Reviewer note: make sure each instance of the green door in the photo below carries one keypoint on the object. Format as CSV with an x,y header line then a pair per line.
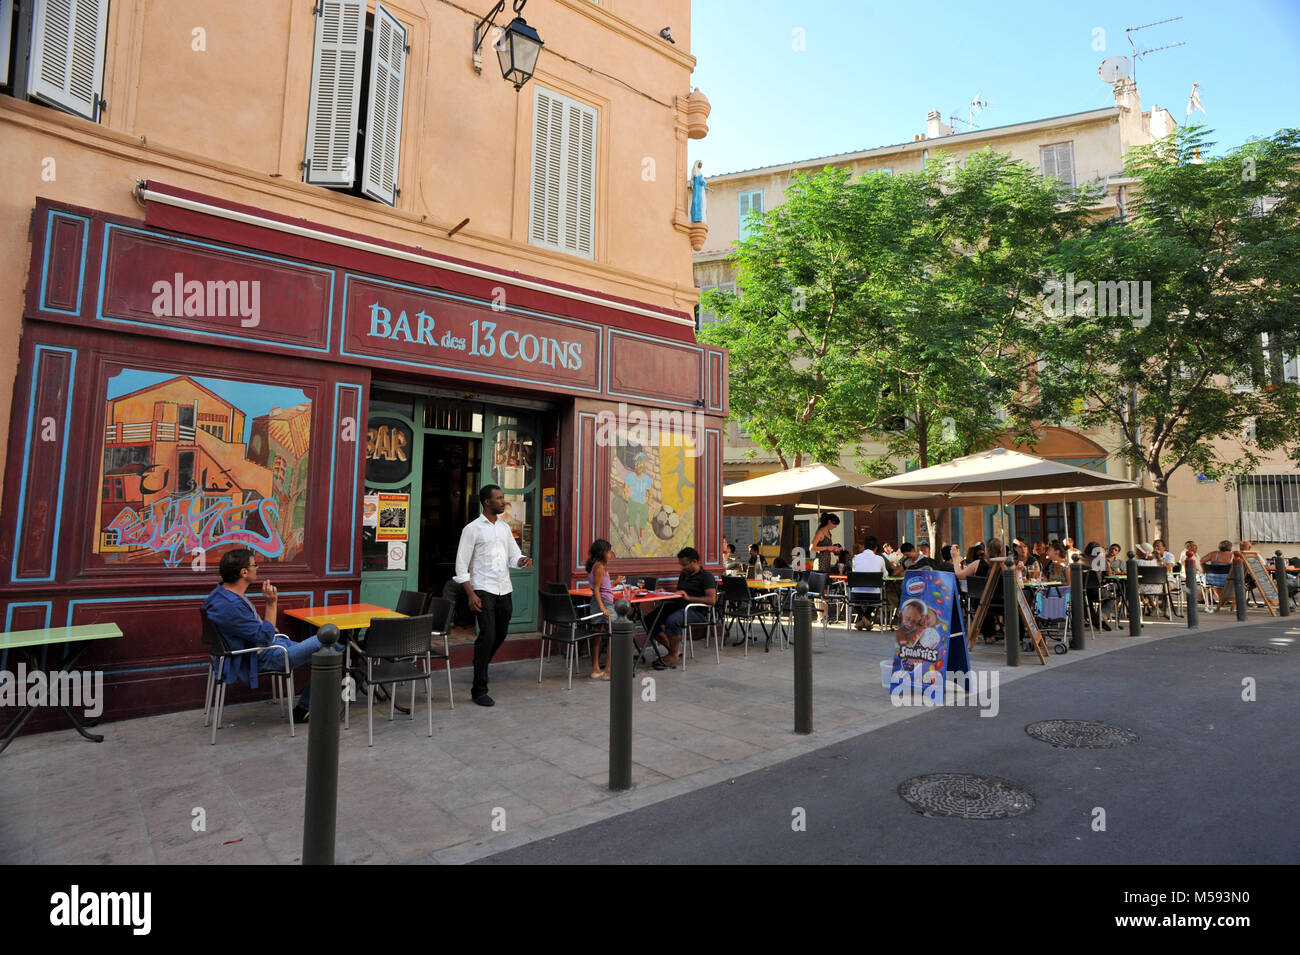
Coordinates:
x,y
394,452
512,463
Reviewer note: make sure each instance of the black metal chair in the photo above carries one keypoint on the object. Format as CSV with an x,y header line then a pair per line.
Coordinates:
x,y
862,602
404,642
1096,592
818,586
413,603
566,627
1154,582
745,606
219,654
439,612
996,608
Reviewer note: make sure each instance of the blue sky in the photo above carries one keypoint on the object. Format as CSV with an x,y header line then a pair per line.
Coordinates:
x,y
871,71
250,398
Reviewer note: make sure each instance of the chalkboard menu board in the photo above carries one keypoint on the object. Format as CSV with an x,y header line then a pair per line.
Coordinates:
x,y
1264,580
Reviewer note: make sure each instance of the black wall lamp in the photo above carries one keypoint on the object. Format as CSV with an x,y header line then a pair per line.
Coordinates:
x,y
517,48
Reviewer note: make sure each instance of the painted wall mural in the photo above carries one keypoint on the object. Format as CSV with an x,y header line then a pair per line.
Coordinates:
x,y
651,498
202,464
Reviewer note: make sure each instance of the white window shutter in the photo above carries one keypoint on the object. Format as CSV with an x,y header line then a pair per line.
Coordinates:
x,y
384,121
547,188
67,58
335,93
562,201
580,178
6,29
1065,163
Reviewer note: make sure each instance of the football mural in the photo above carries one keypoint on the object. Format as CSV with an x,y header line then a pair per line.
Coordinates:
x,y
651,498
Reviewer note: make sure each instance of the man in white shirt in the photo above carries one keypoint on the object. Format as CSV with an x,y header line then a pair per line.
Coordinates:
x,y
487,552
868,562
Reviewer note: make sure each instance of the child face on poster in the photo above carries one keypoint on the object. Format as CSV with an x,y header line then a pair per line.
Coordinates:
x,y
910,620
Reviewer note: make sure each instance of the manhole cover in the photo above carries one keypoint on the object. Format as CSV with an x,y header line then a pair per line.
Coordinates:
x,y
1081,734
965,796
1248,648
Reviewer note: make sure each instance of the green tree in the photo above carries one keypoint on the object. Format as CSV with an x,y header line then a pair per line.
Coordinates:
x,y
1183,314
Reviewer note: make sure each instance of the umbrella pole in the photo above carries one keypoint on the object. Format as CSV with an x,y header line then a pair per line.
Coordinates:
x,y
1002,511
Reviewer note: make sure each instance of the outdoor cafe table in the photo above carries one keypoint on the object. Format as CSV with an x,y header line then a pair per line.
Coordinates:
x,y
640,601
778,584
347,617
75,641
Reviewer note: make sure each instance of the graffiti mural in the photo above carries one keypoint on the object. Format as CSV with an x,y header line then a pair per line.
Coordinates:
x,y
651,498
204,465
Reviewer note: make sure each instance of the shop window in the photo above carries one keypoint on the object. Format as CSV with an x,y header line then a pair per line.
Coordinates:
x,y
357,81
453,416
52,51
562,213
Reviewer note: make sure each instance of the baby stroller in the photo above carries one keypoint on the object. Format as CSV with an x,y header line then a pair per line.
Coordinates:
x,y
1052,609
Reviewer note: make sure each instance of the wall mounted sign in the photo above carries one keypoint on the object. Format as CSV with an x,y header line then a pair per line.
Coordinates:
x,y
394,511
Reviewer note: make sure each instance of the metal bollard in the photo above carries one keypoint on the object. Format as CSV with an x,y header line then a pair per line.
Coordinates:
x,y
621,690
1077,641
321,810
803,690
1193,596
1283,590
1011,613
1134,601
1239,589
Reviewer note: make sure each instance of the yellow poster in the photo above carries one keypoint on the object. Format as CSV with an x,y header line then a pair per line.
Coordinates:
x,y
394,510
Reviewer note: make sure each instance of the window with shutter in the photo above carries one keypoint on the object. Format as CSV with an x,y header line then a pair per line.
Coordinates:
x,y
335,93
750,202
384,110
1057,161
67,54
6,34
562,201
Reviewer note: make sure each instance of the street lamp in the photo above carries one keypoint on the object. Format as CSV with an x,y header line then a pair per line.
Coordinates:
x,y
517,48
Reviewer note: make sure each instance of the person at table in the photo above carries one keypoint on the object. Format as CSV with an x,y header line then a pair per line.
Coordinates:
x,y
1190,552
1098,591
1115,563
1218,570
950,562
1040,551
1057,568
1146,557
486,553
236,619
729,555
599,556
821,547
755,571
867,562
695,586
1025,560
1164,554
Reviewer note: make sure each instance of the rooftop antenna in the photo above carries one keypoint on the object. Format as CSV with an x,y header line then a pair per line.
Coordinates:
x,y
1155,49
974,106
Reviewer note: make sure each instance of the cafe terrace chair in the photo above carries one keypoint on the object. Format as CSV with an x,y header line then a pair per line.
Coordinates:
x,y
566,627
708,616
412,603
1154,581
219,655
405,642
818,589
440,611
866,604
744,606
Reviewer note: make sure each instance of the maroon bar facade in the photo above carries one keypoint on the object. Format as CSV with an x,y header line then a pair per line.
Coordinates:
x,y
188,384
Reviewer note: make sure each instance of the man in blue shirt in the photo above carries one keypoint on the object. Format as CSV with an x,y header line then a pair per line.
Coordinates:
x,y
234,615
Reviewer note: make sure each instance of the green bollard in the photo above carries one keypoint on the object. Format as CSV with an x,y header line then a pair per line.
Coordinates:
x,y
1283,592
621,690
803,689
1193,595
1134,601
1011,613
321,810
1077,641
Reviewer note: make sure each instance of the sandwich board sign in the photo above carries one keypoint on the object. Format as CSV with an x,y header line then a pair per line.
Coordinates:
x,y
931,639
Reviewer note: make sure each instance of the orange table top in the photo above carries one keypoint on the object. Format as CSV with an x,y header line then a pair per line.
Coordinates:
x,y
344,616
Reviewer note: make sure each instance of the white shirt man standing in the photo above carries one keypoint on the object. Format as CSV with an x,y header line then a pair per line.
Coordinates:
x,y
487,552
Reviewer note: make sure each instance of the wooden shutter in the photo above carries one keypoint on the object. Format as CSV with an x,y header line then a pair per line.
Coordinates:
x,y
6,30
562,201
335,93
384,121
67,57
1058,161
750,202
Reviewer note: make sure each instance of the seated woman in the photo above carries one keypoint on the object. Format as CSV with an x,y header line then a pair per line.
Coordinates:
x,y
733,564
602,597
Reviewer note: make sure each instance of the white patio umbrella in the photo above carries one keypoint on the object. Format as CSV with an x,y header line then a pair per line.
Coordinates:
x,y
997,470
821,485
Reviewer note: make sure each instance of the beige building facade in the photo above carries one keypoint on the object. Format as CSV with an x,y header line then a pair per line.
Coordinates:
x,y
1084,148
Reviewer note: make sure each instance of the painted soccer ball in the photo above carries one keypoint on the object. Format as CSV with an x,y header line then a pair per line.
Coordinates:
x,y
665,522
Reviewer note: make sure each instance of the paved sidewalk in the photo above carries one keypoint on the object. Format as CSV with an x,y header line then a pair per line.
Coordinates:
x,y
540,755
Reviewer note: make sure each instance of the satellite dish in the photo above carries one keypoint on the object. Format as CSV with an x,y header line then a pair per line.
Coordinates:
x,y
1115,68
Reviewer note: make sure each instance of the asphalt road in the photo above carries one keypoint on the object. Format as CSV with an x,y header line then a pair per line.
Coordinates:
x,y
1212,779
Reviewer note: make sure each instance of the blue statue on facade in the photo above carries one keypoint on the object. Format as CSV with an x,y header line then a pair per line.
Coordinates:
x,y
698,188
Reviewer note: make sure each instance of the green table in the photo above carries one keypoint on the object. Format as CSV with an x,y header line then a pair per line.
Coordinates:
x,y
75,641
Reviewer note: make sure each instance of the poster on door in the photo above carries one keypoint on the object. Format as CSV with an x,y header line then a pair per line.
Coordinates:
x,y
394,511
